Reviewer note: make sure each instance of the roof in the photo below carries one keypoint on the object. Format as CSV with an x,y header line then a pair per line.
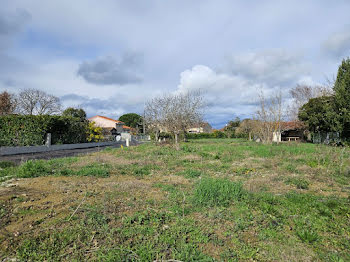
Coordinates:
x,y
108,128
107,118
292,125
126,127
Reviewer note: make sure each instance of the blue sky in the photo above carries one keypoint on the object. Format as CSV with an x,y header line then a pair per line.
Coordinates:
x,y
111,56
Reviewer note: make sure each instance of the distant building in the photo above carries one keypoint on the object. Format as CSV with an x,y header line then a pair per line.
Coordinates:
x,y
292,131
204,127
109,124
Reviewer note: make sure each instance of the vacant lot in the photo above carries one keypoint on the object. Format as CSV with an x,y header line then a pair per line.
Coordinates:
x,y
213,200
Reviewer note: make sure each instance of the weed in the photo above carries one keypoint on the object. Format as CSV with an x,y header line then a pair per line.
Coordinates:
x,y
244,170
188,149
300,183
142,171
192,173
217,192
98,170
307,235
6,164
34,168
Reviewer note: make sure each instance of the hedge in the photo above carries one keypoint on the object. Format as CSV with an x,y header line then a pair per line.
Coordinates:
x,y
26,130
215,134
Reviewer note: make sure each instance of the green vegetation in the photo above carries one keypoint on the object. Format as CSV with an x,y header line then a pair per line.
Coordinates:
x,y
28,130
132,120
331,113
298,182
213,200
217,192
6,164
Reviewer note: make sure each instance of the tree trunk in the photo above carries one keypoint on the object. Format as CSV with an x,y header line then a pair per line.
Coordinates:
x,y
177,141
156,136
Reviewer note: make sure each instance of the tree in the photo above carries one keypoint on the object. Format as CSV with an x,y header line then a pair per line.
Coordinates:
x,y
246,128
301,94
231,127
342,96
37,102
131,119
174,113
75,112
7,103
269,117
319,115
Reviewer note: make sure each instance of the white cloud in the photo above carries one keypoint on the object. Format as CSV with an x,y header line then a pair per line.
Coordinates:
x,y
338,44
274,67
226,95
229,95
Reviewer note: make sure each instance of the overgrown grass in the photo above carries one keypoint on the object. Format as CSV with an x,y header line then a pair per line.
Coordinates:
x,y
213,200
217,192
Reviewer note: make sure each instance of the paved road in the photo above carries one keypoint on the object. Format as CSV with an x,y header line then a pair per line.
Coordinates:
x,y
52,154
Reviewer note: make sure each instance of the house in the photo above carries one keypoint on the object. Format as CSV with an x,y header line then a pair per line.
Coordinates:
x,y
204,127
109,124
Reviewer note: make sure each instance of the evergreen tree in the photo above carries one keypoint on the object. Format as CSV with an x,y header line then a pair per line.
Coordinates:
x,y
342,96
319,115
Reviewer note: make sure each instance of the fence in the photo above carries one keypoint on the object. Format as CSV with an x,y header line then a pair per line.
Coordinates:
x,y
7,151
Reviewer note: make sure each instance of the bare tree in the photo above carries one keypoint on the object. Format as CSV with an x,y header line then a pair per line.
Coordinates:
x,y
8,103
153,115
301,94
174,113
37,102
269,117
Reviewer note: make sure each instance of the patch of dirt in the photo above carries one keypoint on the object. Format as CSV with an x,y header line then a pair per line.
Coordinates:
x,y
191,157
34,204
102,157
269,181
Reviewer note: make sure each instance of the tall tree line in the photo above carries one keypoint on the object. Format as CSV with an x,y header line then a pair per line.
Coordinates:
x,y
29,102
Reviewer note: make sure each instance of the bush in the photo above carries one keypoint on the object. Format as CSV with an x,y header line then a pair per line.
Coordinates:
x,y
217,192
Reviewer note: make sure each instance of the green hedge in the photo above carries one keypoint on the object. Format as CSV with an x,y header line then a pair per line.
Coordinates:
x,y
215,134
25,130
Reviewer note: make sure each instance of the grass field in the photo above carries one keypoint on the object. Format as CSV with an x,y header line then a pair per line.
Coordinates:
x,y
213,200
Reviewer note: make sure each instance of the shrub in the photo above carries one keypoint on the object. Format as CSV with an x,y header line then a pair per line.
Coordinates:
x,y
217,192
94,133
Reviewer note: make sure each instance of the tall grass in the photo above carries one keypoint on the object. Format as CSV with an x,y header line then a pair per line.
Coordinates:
x,y
217,192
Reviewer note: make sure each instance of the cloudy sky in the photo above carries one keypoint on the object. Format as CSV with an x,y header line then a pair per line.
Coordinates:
x,y
110,56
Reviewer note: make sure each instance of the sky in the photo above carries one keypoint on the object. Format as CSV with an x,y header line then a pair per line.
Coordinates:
x,y
110,56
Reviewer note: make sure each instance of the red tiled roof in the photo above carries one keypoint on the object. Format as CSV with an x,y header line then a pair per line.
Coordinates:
x,y
126,127
107,118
